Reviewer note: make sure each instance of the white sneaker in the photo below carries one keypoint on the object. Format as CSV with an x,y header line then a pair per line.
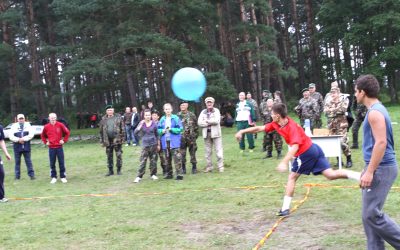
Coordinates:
x,y
64,180
4,200
137,180
53,180
221,170
126,145
154,177
133,144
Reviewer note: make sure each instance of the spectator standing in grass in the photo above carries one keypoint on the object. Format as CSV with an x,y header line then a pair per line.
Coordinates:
x,y
147,131
4,148
381,168
170,129
209,120
128,126
112,135
21,134
54,135
155,116
245,117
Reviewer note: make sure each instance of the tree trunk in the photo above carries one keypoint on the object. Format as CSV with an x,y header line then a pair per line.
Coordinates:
x,y
257,93
129,80
35,81
338,68
299,49
247,53
314,51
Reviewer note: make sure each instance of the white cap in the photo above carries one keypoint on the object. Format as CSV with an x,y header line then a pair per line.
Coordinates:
x,y
20,116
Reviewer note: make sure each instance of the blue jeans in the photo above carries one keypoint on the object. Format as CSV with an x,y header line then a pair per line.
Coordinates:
x,y
59,153
28,162
129,134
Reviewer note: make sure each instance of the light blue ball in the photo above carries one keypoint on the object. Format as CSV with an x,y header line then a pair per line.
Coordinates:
x,y
189,84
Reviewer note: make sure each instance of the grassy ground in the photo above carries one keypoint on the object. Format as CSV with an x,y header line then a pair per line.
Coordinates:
x,y
205,211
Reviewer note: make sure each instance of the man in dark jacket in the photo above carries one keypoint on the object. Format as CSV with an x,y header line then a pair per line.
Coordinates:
x,y
21,134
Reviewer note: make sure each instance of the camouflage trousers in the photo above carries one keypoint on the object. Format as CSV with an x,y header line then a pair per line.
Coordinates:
x,y
337,127
150,153
175,153
317,122
272,137
356,126
162,159
110,155
191,145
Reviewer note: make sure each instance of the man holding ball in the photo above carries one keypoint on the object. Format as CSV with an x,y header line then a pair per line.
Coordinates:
x,y
308,157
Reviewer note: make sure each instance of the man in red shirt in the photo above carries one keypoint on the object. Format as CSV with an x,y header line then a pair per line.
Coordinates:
x,y
308,157
54,135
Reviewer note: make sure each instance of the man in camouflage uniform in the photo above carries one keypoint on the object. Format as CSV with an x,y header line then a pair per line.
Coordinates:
x,y
189,136
112,135
335,110
255,106
360,111
307,109
320,101
272,136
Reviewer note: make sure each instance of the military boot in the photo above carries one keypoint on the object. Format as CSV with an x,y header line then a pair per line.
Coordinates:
x,y
183,168
349,163
279,155
269,155
119,171
110,172
194,168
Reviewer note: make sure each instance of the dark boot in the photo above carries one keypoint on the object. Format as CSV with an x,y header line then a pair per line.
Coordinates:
x,y
179,178
337,164
269,155
349,163
164,171
183,168
354,146
119,171
279,155
110,172
194,168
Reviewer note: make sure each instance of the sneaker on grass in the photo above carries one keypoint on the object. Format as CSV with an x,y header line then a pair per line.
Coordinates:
x,y
137,180
154,177
64,180
283,213
53,180
4,200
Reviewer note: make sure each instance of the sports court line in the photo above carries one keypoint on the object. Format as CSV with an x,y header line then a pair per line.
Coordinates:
x,y
140,194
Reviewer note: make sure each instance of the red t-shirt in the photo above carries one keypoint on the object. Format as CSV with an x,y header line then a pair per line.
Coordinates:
x,y
292,133
54,133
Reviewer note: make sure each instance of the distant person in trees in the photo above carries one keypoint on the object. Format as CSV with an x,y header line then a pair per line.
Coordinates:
x,y
360,112
21,134
112,135
147,131
54,135
79,120
86,119
245,117
170,129
381,167
134,123
8,156
278,97
271,137
189,136
256,110
209,121
308,157
128,126
320,103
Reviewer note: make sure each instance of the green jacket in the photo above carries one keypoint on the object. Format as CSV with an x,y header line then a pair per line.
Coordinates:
x,y
119,130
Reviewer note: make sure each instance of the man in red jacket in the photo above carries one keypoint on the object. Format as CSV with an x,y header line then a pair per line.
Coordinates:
x,y
54,135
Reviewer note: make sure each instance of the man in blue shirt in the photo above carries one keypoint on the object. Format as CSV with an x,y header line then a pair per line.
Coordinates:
x,y
4,148
380,166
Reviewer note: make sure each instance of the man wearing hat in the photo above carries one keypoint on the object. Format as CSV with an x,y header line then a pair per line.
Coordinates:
x,y
189,135
21,134
209,121
112,135
320,101
307,108
335,110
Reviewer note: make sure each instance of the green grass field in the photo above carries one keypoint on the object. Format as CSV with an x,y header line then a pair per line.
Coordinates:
x,y
230,210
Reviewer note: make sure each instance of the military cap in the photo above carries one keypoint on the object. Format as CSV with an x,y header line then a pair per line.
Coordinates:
x,y
109,106
304,90
311,85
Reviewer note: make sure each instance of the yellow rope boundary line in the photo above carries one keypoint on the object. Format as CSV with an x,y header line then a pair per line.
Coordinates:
x,y
308,186
281,219
142,194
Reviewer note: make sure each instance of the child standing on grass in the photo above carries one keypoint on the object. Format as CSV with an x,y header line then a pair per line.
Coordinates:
x,y
309,157
147,131
170,129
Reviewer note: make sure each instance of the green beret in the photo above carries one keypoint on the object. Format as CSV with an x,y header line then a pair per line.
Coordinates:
x,y
109,106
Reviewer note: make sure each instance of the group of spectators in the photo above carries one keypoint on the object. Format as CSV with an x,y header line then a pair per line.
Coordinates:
x,y
87,119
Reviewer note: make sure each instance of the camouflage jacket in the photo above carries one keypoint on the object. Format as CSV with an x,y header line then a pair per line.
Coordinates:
x,y
255,107
265,113
190,127
360,110
307,108
338,108
320,101
119,128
